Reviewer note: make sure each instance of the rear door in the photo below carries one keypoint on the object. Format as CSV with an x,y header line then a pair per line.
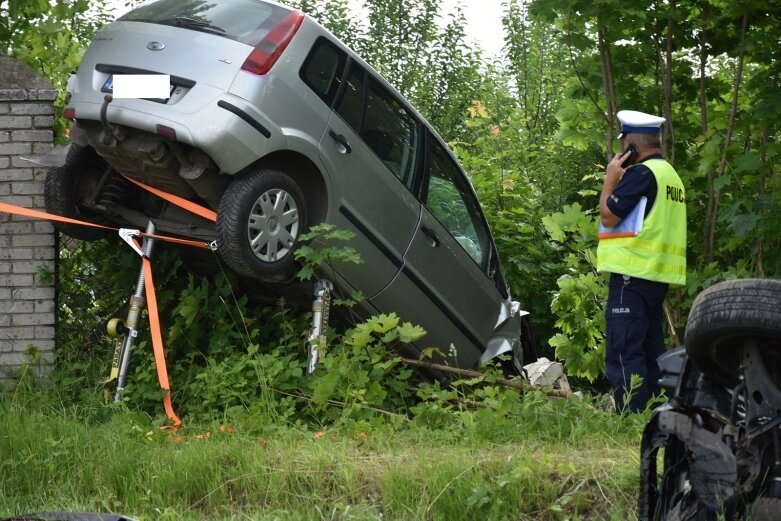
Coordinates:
x,y
371,150
446,283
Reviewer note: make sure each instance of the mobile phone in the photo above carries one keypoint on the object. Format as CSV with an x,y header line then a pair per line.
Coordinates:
x,y
633,153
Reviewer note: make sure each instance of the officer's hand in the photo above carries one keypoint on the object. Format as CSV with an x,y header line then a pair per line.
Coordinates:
x,y
614,169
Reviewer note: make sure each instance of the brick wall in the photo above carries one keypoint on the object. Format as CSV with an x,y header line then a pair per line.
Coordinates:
x,y
27,247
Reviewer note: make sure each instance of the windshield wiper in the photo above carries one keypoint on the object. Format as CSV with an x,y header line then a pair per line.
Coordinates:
x,y
194,23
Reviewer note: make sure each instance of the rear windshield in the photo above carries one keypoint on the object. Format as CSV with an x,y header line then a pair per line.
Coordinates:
x,y
247,21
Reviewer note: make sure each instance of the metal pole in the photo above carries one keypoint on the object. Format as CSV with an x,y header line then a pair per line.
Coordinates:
x,y
137,302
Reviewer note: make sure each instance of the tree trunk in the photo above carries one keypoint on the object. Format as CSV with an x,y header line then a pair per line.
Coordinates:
x,y
668,87
707,253
608,85
712,224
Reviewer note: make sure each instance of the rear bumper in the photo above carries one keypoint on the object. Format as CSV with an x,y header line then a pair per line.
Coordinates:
x,y
232,132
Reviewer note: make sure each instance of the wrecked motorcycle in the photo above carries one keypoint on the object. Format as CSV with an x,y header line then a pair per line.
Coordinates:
x,y
713,450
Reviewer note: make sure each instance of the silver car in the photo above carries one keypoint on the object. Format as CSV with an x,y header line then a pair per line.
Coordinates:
x,y
276,125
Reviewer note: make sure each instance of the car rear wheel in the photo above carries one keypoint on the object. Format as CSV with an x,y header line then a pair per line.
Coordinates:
x,y
723,315
68,187
261,216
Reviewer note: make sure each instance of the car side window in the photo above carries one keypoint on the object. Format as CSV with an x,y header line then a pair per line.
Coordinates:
x,y
450,199
322,69
384,124
350,106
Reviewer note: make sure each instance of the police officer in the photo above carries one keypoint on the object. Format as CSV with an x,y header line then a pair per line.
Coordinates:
x,y
641,266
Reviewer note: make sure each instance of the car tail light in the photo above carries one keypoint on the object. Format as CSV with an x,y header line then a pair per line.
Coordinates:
x,y
266,53
69,113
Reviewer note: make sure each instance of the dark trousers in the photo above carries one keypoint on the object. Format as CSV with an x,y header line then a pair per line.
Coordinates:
x,y
635,338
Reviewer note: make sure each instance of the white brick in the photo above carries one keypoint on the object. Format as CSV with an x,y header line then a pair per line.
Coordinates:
x,y
20,241
32,109
32,319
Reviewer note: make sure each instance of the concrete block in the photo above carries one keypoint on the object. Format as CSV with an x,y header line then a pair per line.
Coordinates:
x,y
12,149
32,319
32,109
5,136
15,281
19,200
17,333
16,174
41,345
44,306
9,360
13,94
544,373
13,122
21,241
15,253
42,122
17,228
32,293
26,188
40,149
48,95
28,267
32,135
17,306
47,253
43,227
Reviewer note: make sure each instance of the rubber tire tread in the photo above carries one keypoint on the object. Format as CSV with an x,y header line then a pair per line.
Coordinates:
x,y
60,193
727,311
231,226
700,512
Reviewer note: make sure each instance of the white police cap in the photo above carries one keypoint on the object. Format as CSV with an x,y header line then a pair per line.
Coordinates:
x,y
638,122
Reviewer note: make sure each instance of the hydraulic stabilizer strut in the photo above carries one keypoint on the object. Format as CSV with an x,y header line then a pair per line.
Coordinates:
x,y
137,302
321,308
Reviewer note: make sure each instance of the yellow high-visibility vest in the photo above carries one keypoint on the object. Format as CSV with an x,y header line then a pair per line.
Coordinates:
x,y
658,252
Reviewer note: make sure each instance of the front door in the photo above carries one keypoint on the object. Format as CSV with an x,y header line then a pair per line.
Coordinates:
x,y
447,271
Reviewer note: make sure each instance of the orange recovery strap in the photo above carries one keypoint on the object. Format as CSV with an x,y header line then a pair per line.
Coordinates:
x,y
157,344
37,214
178,201
151,298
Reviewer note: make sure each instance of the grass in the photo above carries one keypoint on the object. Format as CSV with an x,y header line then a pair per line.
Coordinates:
x,y
553,460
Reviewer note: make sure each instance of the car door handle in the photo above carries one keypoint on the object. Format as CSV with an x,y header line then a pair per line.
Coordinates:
x,y
433,240
346,149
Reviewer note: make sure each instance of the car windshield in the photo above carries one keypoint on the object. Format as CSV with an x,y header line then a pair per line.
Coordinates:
x,y
247,21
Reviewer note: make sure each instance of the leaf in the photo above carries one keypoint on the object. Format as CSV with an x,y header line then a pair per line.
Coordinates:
x,y
721,181
553,229
748,162
384,323
743,224
429,352
410,333
477,110
360,336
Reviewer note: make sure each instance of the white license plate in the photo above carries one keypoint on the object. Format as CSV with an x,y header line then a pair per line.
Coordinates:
x,y
108,85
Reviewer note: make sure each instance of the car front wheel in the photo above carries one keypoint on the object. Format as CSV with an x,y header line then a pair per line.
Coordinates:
x,y
261,216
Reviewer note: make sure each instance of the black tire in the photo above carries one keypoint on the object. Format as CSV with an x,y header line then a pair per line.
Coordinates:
x,y
677,501
722,316
261,216
67,187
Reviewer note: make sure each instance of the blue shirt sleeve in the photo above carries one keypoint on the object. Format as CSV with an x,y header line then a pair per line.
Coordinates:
x,y
638,181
